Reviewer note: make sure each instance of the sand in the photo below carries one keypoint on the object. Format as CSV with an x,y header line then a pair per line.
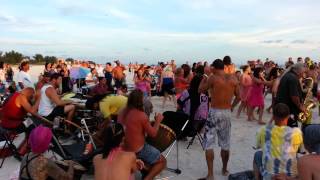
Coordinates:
x,y
191,161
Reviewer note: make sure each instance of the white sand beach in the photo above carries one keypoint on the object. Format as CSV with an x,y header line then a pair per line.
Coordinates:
x,y
191,161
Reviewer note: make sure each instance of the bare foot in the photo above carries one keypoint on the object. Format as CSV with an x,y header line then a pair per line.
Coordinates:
x,y
225,172
207,178
261,122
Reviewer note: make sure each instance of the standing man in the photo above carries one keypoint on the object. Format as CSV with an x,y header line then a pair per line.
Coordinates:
x,y
118,74
290,92
108,74
222,88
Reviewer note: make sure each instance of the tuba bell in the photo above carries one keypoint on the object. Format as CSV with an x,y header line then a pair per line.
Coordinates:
x,y
306,117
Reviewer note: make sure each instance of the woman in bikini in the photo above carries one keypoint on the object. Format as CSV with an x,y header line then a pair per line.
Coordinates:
x,y
114,162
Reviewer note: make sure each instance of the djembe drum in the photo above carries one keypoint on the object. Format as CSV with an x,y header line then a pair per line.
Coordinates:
x,y
164,138
79,170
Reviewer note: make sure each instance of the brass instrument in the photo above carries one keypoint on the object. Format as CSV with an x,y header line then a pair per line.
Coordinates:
x,y
306,117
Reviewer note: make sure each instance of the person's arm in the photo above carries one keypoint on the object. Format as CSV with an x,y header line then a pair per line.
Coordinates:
x,y
161,81
304,170
205,84
23,101
54,97
152,131
55,172
237,99
294,95
136,164
258,139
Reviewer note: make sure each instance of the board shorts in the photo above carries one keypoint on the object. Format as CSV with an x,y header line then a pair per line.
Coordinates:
x,y
218,124
149,154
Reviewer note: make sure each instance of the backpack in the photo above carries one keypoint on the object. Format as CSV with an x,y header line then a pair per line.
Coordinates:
x,y
202,110
184,103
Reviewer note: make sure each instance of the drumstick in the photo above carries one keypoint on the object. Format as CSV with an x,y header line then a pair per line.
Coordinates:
x,y
72,123
77,126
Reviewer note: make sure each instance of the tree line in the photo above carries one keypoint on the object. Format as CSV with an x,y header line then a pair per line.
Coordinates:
x,y
14,57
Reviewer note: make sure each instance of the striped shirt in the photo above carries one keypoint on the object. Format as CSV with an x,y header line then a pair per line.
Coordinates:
x,y
279,146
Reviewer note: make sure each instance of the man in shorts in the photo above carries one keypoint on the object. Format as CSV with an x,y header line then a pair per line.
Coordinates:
x,y
222,88
136,125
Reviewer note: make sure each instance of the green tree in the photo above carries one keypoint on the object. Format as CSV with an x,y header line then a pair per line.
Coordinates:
x,y
50,59
70,59
38,58
12,57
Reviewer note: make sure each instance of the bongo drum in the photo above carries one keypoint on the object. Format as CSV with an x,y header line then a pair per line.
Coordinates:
x,y
78,168
67,96
164,138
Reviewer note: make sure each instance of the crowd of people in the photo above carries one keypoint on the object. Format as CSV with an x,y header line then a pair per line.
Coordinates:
x,y
205,92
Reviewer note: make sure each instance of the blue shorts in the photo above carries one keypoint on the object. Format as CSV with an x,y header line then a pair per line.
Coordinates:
x,y
258,160
149,154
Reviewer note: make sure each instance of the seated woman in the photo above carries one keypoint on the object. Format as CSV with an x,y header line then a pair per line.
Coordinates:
x,y
35,166
308,165
114,163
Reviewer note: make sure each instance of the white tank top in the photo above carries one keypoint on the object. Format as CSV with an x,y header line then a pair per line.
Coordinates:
x,y
46,106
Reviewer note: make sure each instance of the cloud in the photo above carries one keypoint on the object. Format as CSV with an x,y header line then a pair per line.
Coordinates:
x,y
272,41
121,14
299,41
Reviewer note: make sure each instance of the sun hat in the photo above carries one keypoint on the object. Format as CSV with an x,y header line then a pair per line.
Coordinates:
x,y
39,139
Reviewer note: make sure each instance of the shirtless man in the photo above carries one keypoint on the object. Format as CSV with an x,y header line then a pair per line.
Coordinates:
x,y
222,88
118,75
308,165
137,125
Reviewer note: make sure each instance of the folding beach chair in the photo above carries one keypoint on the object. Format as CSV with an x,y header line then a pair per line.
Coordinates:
x,y
8,148
177,121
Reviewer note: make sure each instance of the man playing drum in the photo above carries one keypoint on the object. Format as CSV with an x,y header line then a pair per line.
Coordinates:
x,y
51,104
136,125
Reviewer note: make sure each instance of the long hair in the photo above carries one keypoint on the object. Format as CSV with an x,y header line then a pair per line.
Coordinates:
x,y
113,134
257,71
135,100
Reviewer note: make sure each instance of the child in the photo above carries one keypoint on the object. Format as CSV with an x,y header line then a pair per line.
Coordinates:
x,y
114,163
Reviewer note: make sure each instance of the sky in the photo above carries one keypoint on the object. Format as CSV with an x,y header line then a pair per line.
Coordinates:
x,y
161,30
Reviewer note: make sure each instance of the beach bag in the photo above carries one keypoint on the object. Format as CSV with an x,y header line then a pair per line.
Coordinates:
x,y
246,175
184,103
202,110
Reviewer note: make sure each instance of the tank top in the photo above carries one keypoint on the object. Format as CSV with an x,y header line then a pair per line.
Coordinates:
x,y
12,114
46,106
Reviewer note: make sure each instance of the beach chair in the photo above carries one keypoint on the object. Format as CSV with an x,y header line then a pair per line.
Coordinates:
x,y
177,121
7,137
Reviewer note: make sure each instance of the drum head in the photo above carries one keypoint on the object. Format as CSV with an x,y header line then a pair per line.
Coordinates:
x,y
68,96
164,138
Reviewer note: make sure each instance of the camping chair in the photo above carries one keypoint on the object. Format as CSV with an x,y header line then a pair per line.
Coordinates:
x,y
177,121
197,127
8,148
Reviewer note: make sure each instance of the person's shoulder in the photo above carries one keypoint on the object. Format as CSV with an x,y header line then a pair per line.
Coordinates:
x,y
295,130
97,158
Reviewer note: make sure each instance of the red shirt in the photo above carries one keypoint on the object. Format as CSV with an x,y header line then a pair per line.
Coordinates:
x,y
137,126
12,115
99,89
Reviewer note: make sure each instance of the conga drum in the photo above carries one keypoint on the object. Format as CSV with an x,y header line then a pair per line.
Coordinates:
x,y
79,170
164,138
68,96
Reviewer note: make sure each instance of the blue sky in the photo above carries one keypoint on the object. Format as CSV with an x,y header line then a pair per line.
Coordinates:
x,y
154,30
